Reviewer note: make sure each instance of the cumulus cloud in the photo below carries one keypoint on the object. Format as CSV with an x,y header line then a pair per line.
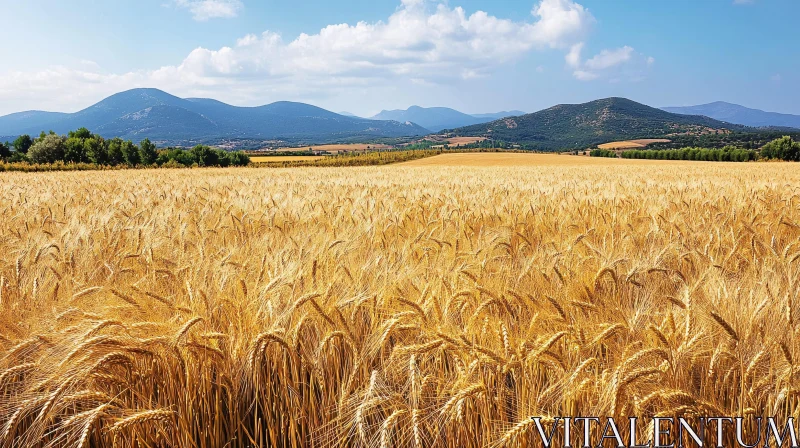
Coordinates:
x,y
203,10
418,40
561,22
426,41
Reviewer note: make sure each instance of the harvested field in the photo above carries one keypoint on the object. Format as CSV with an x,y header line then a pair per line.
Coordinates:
x,y
277,159
465,140
396,306
632,144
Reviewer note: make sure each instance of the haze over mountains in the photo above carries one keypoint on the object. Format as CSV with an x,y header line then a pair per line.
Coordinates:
x,y
151,113
734,113
438,118
583,125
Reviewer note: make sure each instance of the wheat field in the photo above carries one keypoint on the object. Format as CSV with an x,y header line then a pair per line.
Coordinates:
x,y
519,160
410,306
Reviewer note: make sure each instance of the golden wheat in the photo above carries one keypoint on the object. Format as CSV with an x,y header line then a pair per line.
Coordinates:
x,y
407,306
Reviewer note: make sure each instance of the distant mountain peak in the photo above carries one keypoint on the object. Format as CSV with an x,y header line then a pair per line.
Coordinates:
x,y
435,118
734,113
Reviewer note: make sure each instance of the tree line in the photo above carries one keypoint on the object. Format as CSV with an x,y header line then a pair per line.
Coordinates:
x,y
784,148
83,147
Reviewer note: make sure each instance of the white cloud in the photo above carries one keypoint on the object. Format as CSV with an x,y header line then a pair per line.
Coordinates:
x,y
415,40
612,64
561,22
584,75
609,58
426,41
203,10
573,58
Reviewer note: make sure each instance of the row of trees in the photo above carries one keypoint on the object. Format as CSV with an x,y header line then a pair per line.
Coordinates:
x,y
727,154
784,148
82,146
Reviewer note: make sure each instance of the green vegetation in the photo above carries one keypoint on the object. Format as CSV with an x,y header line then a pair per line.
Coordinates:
x,y
751,139
578,126
425,144
364,159
783,148
23,143
728,154
82,150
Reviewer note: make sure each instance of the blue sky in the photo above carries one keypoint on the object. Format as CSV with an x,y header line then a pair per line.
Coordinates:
x,y
362,56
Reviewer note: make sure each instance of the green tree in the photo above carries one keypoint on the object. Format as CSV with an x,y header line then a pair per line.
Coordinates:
x,y
205,156
147,152
81,133
114,151
74,150
23,143
95,150
5,151
130,153
238,158
49,149
177,156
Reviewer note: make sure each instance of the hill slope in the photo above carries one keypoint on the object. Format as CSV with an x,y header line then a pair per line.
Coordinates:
x,y
734,113
140,113
583,125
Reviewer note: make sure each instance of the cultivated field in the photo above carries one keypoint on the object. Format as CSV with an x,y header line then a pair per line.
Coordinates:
x,y
413,306
276,159
632,144
511,159
465,140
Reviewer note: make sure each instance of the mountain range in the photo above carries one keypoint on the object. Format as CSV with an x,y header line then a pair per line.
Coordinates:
x,y
583,125
169,120
734,113
438,118
166,119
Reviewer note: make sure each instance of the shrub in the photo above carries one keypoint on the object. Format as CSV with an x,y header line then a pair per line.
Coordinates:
x,y
48,149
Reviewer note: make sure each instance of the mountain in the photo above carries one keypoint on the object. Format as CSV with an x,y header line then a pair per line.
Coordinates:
x,y
151,113
583,125
348,114
499,115
734,113
433,118
32,118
